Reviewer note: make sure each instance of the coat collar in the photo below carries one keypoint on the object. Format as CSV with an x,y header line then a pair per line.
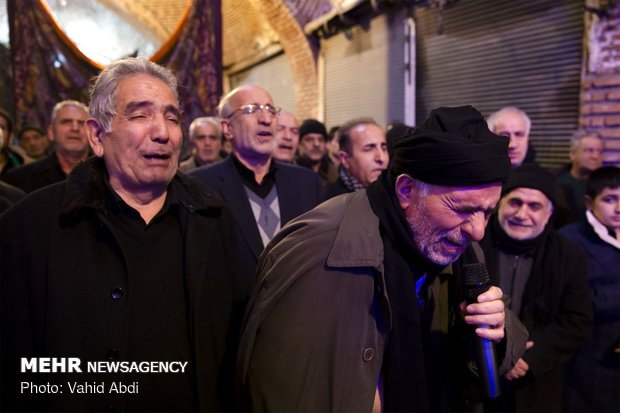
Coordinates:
x,y
358,240
86,188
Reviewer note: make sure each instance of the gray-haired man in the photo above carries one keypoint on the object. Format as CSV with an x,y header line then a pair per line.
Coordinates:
x,y
119,270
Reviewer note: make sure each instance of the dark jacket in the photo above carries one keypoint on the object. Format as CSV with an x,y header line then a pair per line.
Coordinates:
x,y
593,374
316,326
299,190
36,175
569,320
13,160
335,188
60,263
9,195
569,203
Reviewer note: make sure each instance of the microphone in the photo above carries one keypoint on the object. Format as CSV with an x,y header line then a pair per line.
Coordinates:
x,y
475,280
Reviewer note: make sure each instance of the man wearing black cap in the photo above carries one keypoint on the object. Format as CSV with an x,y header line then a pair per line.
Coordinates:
x,y
354,309
543,277
312,150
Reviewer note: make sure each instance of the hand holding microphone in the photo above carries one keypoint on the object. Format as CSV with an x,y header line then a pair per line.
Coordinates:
x,y
486,312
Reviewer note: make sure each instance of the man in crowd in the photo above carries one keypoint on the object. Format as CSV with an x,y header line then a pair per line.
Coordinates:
x,y
8,193
312,150
363,156
68,134
205,140
352,311
287,137
125,261
543,278
33,141
262,194
9,159
586,155
516,125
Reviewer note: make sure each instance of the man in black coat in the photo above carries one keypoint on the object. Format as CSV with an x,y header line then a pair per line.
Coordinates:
x,y
543,277
127,267
262,193
68,133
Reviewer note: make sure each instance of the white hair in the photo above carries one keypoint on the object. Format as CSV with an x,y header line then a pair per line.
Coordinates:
x,y
495,116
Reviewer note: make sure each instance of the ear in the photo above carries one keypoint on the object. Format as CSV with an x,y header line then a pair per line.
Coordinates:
x,y
50,134
571,154
94,133
227,129
589,202
549,213
405,189
344,159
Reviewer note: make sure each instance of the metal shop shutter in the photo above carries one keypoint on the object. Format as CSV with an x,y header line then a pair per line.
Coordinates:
x,y
275,75
496,53
364,72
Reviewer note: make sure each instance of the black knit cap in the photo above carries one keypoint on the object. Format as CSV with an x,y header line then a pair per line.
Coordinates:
x,y
454,147
312,126
530,175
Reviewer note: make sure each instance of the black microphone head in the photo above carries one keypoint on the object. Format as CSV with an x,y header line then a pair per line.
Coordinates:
x,y
474,281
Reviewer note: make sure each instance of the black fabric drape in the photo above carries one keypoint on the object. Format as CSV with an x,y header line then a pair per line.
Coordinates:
x,y
47,67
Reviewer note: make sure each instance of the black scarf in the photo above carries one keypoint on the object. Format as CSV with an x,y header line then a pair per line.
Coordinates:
x,y
403,375
540,294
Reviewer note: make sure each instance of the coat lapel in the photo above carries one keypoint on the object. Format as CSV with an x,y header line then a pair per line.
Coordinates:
x,y
288,195
233,191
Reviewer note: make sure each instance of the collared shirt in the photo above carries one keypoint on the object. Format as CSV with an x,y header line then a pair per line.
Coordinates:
x,y
249,178
155,297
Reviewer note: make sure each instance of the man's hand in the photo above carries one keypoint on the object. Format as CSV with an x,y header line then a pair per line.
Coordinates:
x,y
488,313
521,367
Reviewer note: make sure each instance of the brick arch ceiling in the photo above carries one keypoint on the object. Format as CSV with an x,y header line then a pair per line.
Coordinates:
x,y
249,26
298,51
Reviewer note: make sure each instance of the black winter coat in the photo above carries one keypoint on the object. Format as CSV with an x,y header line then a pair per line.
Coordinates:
x,y
59,264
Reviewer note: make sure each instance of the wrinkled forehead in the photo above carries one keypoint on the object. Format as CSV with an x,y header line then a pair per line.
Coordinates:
x,y
482,197
287,119
591,141
71,112
368,131
249,95
511,119
205,128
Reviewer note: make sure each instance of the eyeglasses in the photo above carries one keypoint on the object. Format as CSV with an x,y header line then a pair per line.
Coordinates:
x,y
252,108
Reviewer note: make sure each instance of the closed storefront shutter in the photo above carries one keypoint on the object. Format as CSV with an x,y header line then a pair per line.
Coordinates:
x,y
274,75
364,71
495,53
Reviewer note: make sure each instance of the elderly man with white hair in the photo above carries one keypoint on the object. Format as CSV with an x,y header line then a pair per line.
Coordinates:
x,y
515,124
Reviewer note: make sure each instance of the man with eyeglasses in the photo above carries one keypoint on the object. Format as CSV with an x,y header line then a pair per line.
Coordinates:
x,y
263,195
